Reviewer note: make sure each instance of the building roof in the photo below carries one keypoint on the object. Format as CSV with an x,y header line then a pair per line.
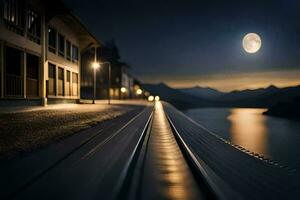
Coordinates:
x,y
87,39
58,8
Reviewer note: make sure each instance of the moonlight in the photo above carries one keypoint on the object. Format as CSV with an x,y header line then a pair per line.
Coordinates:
x,y
251,43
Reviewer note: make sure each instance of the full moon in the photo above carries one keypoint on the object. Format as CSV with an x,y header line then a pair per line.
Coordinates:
x,y
251,43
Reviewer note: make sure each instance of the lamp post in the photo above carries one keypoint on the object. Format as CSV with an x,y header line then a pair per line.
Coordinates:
x,y
95,65
139,92
109,80
123,91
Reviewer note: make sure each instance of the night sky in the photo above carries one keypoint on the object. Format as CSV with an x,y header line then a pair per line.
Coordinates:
x,y
192,42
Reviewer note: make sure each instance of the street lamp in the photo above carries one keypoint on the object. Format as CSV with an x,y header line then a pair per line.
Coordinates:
x,y
95,65
151,98
156,98
123,89
139,91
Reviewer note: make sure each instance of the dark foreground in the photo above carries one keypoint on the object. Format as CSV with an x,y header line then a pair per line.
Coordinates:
x,y
153,153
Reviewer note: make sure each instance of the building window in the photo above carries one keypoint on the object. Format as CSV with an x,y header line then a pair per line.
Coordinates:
x,y
68,50
74,53
13,72
68,76
32,75
68,84
13,16
52,40
52,78
34,26
74,84
60,84
61,45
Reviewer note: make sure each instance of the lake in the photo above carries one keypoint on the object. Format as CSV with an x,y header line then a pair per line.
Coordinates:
x,y
272,137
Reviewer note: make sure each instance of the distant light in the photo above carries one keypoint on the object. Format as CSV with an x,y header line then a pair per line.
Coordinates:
x,y
136,87
157,98
139,91
151,98
95,65
147,94
123,89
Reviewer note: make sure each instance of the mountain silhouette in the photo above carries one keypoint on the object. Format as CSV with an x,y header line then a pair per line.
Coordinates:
x,y
203,92
209,97
289,109
176,97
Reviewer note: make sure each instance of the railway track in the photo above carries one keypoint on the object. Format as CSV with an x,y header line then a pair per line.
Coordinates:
x,y
163,167
145,158
90,170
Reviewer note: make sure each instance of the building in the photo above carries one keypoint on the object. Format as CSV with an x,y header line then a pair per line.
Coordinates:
x,y
41,44
126,81
121,82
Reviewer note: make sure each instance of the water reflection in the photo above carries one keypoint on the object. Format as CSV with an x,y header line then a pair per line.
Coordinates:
x,y
275,138
248,129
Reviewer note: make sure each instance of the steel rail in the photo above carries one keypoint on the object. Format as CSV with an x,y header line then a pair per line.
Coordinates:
x,y
129,181
213,191
125,179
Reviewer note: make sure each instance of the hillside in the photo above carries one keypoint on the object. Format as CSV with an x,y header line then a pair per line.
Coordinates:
x,y
176,97
264,97
238,95
286,109
208,97
203,92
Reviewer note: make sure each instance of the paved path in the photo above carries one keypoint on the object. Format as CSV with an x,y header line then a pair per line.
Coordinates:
x,y
75,168
28,128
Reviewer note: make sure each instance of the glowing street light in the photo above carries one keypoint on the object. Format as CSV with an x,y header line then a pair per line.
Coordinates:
x,y
123,89
151,98
139,91
157,98
95,65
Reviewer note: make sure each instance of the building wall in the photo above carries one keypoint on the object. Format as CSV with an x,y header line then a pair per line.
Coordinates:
x,y
19,41
1,69
63,62
12,39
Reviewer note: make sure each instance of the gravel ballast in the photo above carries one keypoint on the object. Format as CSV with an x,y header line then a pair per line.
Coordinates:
x,y
25,131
